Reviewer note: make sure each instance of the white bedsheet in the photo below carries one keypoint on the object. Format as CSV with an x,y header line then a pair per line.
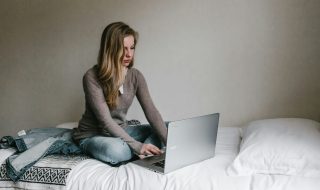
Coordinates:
x,y
209,174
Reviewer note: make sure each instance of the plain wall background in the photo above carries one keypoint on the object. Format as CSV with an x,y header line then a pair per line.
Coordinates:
x,y
245,59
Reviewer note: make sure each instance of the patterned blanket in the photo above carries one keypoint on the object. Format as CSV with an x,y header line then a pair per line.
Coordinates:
x,y
50,172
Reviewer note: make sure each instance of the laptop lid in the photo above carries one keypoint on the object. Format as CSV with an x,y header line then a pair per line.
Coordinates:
x,y
190,141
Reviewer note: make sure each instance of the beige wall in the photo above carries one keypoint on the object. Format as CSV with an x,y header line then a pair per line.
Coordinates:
x,y
245,59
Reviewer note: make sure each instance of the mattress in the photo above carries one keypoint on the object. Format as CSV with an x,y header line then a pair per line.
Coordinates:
x,y
204,175
209,174
85,173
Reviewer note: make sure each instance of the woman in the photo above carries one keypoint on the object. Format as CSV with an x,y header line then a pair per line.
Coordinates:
x,y
110,87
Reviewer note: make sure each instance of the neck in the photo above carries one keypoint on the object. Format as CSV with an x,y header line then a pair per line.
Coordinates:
x,y
124,73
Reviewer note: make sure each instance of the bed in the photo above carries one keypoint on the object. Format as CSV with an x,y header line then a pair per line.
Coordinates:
x,y
243,160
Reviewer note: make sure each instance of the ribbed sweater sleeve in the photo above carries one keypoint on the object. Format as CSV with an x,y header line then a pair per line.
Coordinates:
x,y
152,114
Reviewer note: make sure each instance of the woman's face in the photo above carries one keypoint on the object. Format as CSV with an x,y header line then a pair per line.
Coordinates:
x,y
128,43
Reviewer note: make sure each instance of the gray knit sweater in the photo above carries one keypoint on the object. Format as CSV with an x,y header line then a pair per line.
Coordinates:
x,y
99,119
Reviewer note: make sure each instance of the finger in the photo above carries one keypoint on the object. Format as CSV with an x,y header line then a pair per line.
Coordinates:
x,y
150,149
155,151
141,156
148,152
154,147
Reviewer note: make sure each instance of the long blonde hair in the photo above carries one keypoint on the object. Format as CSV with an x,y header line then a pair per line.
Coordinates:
x,y
111,53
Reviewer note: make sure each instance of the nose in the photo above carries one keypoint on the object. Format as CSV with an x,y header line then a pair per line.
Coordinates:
x,y
128,52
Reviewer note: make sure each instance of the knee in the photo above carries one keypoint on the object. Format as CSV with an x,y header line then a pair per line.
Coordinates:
x,y
107,149
115,153
119,151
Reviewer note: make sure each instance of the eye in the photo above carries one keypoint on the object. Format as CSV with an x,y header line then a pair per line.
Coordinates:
x,y
133,47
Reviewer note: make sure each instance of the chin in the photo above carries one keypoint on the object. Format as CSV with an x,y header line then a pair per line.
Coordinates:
x,y
126,64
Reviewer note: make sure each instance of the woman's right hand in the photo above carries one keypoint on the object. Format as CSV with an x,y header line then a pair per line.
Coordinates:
x,y
149,150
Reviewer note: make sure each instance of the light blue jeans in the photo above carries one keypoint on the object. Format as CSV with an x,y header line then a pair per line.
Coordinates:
x,y
114,150
36,144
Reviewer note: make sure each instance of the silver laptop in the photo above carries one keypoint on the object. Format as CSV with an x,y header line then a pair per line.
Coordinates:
x,y
189,141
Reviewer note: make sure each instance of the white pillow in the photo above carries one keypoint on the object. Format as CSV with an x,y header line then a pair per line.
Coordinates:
x,y
68,125
285,146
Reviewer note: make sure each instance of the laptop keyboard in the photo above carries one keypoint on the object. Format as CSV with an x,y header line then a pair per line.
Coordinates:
x,y
159,164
